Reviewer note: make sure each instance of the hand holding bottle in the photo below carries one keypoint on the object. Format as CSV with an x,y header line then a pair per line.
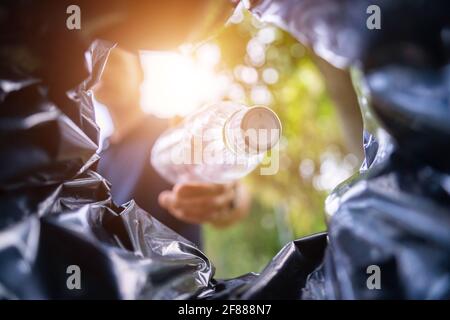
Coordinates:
x,y
200,202
220,143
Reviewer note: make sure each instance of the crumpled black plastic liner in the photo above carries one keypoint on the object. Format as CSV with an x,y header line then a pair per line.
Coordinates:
x,y
56,211
396,213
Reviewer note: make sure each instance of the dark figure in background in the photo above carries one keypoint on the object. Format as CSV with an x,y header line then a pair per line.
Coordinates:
x,y
125,162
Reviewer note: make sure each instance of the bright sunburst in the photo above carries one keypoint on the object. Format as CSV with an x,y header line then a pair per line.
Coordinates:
x,y
176,83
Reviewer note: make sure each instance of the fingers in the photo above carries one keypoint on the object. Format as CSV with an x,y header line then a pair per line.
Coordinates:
x,y
165,199
200,213
205,205
195,189
241,208
197,203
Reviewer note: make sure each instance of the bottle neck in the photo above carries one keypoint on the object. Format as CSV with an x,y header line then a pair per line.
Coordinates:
x,y
233,136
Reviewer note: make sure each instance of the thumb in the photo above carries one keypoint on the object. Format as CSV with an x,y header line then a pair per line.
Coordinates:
x,y
164,199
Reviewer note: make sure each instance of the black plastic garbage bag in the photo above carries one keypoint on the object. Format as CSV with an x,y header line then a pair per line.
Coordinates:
x,y
57,217
394,217
57,212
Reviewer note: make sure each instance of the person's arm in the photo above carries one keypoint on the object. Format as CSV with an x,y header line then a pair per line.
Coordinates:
x,y
218,204
341,91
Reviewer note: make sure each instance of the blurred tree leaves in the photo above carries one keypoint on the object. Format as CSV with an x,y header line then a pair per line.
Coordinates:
x,y
289,204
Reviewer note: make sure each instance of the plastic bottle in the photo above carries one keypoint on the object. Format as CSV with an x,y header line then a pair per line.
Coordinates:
x,y
219,143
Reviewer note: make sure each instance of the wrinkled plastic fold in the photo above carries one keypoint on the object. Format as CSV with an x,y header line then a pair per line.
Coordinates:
x,y
57,211
395,214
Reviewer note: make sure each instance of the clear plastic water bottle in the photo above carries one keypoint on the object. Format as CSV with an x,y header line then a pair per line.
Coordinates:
x,y
219,143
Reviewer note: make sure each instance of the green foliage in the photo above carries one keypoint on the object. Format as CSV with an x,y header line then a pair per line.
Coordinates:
x,y
289,204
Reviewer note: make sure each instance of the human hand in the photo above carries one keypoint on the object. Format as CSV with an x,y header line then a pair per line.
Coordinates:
x,y
199,202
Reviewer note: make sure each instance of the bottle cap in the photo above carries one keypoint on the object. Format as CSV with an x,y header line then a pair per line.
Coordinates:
x,y
261,127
